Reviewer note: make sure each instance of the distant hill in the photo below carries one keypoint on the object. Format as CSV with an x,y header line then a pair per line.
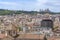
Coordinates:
x,y
11,12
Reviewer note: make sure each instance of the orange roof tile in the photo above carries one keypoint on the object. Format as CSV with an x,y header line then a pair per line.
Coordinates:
x,y
2,35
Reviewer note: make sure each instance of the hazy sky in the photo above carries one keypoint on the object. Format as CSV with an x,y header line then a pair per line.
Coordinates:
x,y
53,5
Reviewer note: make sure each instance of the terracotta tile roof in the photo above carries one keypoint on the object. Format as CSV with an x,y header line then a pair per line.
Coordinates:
x,y
31,36
2,35
54,38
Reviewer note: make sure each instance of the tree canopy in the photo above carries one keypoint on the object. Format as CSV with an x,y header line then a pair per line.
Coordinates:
x,y
10,12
